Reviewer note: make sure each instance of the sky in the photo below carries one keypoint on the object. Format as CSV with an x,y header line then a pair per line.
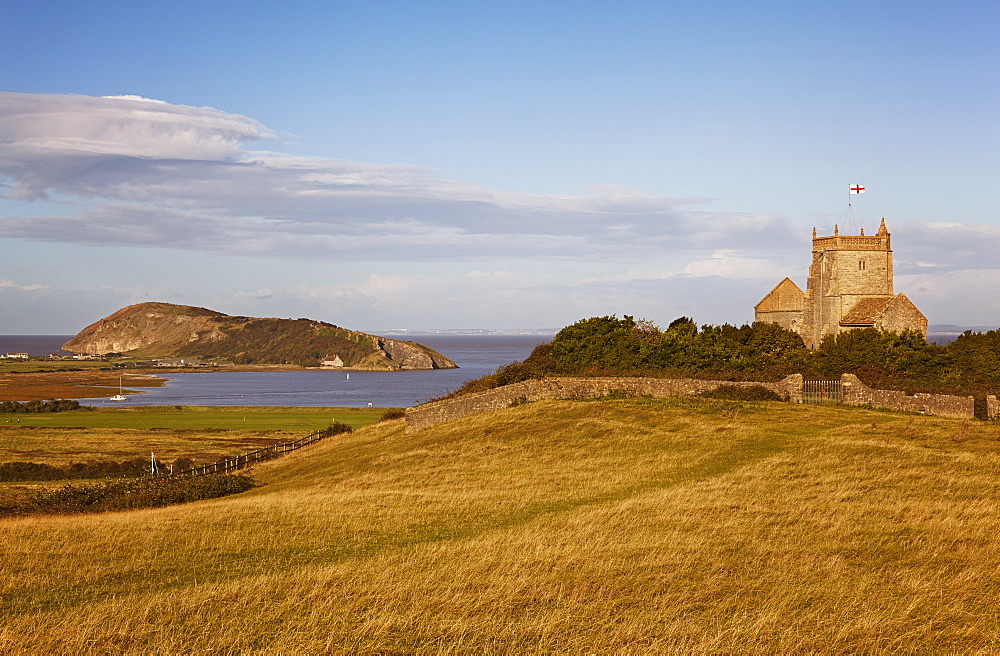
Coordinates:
x,y
428,165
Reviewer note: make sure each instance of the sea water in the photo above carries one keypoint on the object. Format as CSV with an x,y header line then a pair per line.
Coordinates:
x,y
476,356
33,344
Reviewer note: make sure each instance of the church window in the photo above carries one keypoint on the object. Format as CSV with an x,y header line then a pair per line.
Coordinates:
x,y
861,265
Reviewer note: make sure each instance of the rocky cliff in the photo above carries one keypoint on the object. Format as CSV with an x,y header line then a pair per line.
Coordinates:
x,y
163,330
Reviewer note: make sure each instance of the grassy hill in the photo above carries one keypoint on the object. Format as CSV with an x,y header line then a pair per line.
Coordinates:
x,y
631,525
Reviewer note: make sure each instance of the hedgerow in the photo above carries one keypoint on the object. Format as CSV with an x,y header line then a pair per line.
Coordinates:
x,y
126,494
20,471
53,405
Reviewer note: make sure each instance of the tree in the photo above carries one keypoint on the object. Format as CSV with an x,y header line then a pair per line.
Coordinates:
x,y
605,344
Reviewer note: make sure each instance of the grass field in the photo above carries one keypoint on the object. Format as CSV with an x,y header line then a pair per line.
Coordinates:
x,y
626,526
30,366
201,417
202,433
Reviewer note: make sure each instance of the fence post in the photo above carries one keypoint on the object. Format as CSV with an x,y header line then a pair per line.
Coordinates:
x,y
233,464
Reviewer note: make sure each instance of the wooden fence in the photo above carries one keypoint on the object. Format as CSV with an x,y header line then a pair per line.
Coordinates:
x,y
239,462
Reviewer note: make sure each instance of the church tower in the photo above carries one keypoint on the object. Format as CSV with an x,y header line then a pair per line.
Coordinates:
x,y
849,286
844,270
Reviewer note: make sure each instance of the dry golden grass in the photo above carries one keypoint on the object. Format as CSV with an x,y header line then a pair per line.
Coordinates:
x,y
202,433
62,446
608,527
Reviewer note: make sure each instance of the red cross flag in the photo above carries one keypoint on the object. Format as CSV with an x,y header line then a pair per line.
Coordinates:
x,y
857,189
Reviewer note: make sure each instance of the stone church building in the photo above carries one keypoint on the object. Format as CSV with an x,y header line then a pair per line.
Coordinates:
x,y
849,286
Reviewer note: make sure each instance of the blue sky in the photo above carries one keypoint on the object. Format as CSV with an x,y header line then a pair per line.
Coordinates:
x,y
495,165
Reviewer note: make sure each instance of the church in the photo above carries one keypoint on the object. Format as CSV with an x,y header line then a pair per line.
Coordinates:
x,y
849,286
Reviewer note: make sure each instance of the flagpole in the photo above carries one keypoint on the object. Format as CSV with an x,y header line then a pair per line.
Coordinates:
x,y
850,211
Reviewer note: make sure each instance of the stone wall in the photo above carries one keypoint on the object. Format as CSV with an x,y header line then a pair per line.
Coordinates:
x,y
940,405
578,388
855,393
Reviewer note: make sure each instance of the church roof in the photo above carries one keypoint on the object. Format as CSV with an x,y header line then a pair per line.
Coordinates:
x,y
786,295
867,311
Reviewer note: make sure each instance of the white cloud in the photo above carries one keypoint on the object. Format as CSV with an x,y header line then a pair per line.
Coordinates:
x,y
36,128
11,286
945,246
965,297
730,264
137,172
127,97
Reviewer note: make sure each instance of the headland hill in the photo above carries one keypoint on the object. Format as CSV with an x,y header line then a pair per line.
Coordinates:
x,y
139,341
176,333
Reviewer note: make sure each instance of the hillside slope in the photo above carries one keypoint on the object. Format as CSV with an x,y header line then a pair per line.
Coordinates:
x,y
628,526
163,330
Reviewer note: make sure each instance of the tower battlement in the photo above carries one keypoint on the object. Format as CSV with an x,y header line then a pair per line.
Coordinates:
x,y
852,243
880,241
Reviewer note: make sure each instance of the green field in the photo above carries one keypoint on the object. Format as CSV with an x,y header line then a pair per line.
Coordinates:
x,y
268,418
21,366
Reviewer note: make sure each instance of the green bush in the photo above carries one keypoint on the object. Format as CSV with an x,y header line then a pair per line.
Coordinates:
x,y
336,428
33,471
54,405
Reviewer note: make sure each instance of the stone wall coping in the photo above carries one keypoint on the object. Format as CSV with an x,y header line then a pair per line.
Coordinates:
x,y
854,390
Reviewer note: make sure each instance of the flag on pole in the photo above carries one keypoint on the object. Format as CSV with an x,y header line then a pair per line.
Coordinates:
x,y
857,189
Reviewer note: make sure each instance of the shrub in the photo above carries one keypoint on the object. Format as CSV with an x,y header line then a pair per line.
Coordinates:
x,y
128,494
336,428
29,471
33,471
392,413
54,405
183,464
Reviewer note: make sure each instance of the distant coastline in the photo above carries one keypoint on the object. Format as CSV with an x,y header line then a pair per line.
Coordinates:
x,y
944,333
550,332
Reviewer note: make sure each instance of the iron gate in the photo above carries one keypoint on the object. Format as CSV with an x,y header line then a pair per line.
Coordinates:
x,y
822,392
